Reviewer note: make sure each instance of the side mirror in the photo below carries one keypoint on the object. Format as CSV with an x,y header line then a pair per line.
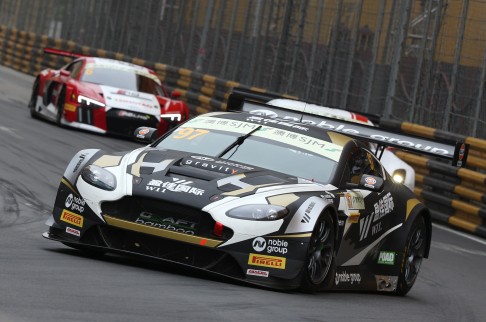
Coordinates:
x,y
145,134
373,183
65,73
175,94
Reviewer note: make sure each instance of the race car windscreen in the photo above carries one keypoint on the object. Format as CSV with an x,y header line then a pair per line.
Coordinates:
x,y
121,78
266,148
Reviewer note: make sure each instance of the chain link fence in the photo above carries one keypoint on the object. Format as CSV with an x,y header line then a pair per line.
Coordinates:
x,y
422,61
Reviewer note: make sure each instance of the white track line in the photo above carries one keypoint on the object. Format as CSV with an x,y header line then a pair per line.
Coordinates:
x,y
459,233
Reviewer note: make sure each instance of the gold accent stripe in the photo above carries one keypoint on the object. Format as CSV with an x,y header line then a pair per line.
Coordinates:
x,y
411,203
68,184
160,232
292,236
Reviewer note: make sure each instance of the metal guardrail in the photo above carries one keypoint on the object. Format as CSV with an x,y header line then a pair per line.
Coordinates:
x,y
456,196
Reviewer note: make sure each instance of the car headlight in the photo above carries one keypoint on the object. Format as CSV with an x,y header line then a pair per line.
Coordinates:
x,y
88,101
399,176
99,177
258,212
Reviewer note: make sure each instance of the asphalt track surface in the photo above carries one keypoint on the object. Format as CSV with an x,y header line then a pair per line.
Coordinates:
x,y
41,280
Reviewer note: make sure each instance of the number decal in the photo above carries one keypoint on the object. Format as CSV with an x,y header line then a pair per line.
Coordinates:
x,y
189,133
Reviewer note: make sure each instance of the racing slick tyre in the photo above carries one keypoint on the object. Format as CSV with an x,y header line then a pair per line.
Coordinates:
x,y
413,255
60,106
33,99
319,264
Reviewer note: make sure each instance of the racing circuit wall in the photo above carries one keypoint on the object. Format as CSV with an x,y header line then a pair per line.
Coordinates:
x,y
457,196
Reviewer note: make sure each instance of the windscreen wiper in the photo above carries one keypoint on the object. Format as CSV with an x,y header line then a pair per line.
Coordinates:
x,y
238,141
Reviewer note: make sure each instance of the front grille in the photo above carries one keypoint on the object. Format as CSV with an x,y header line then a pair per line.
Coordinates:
x,y
201,257
164,215
126,122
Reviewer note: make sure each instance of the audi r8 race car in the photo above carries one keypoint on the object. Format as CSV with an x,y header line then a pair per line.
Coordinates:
x,y
400,171
273,202
105,96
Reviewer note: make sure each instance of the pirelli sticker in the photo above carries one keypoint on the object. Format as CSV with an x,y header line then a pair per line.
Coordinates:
x,y
72,218
267,261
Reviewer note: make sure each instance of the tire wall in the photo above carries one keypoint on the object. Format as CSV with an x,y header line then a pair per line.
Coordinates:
x,y
455,196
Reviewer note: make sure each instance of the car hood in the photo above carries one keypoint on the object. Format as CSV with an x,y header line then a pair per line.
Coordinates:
x,y
198,180
130,100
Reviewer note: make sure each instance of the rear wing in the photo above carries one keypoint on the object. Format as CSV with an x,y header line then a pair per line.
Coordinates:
x,y
263,97
59,52
450,150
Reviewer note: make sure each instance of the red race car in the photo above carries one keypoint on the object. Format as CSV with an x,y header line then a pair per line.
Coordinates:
x,y
105,96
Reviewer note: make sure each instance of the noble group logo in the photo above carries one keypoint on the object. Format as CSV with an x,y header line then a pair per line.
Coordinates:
x,y
267,261
72,218
271,245
74,203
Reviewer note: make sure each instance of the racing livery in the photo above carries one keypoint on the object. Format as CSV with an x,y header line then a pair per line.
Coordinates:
x,y
105,96
273,202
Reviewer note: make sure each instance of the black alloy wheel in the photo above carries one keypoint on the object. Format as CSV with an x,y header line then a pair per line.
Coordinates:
x,y
318,269
414,254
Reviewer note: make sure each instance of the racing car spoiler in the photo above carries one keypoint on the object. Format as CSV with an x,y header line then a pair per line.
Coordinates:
x,y
59,52
264,97
454,151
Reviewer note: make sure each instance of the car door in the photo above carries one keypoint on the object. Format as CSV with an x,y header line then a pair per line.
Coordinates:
x,y
364,209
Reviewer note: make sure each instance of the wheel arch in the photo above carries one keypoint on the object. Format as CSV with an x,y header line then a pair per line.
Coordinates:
x,y
422,211
334,213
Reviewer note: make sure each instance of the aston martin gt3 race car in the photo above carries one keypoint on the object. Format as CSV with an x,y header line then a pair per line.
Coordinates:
x,y
273,202
105,96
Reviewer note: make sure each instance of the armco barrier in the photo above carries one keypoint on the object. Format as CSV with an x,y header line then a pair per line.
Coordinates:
x,y
456,196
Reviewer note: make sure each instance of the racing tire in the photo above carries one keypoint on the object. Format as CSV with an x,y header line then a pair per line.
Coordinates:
x,y
33,99
413,255
319,267
60,106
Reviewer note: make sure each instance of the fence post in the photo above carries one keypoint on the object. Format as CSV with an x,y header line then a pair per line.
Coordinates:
x,y
201,53
397,53
457,58
374,55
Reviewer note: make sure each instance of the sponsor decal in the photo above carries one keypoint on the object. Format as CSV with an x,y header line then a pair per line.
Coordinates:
x,y
354,200
270,245
349,278
256,272
72,218
306,217
132,115
370,180
169,223
267,261
75,203
69,107
177,185
197,157
73,231
386,258
81,159
383,207
363,130
207,165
